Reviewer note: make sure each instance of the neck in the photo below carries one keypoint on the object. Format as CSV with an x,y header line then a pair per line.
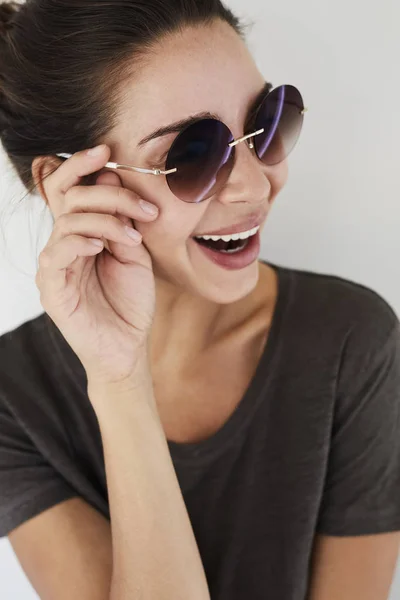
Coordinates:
x,y
185,327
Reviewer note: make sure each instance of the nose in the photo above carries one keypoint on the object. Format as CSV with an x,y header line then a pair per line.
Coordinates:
x,y
250,180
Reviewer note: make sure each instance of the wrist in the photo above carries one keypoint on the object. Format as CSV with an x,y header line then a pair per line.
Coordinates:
x,y
139,369
137,386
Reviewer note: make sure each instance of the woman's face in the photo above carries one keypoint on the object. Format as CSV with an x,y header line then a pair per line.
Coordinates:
x,y
201,69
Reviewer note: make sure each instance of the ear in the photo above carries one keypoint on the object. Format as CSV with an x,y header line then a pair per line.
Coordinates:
x,y
42,167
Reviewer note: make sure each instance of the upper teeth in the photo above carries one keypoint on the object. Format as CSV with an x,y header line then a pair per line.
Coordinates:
x,y
233,236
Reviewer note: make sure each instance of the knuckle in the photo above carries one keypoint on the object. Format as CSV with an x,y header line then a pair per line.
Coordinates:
x,y
38,278
126,198
110,221
44,301
72,194
60,225
44,260
123,194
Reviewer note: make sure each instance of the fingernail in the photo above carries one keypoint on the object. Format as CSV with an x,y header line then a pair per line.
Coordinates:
x,y
96,150
148,208
133,234
97,242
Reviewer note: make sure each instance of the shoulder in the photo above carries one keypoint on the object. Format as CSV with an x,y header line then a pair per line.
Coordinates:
x,y
338,326
21,364
36,366
363,329
22,347
360,312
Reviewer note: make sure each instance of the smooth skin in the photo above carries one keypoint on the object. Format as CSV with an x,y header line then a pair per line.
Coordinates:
x,y
103,306
68,550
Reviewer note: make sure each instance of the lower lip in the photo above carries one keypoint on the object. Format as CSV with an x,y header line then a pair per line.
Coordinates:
x,y
240,260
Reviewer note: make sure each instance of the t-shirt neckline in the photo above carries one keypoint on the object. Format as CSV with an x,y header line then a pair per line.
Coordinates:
x,y
205,450
198,452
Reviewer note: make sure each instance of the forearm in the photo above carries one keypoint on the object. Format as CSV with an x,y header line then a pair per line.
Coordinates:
x,y
155,555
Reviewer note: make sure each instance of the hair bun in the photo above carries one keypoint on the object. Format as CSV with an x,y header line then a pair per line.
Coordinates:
x,y
8,10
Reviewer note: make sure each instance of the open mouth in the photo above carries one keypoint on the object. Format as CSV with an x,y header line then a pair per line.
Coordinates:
x,y
230,246
232,252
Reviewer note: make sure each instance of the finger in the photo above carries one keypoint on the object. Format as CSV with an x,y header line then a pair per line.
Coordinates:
x,y
112,178
108,199
54,260
66,251
71,170
95,226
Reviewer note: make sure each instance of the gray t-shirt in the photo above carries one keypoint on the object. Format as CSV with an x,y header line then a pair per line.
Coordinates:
x,y
313,446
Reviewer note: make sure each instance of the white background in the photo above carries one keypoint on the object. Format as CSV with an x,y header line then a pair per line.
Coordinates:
x,y
340,211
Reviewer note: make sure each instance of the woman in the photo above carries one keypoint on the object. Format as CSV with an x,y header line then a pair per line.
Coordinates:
x,y
183,420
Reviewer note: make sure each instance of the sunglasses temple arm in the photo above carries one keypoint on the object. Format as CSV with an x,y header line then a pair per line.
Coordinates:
x,y
114,165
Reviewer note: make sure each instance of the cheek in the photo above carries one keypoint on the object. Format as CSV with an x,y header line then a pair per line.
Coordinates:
x,y
171,228
174,217
279,175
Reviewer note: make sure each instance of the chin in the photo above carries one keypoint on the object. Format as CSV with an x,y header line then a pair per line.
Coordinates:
x,y
198,276
228,287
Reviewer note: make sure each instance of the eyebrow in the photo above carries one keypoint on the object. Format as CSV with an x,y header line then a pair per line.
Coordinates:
x,y
178,126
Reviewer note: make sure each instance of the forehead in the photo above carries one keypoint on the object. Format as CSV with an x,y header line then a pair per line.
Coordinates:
x,y
203,68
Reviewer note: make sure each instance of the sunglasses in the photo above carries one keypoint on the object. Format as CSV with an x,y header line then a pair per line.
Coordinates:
x,y
202,156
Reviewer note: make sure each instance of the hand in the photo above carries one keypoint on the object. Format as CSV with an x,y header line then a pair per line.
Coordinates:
x,y
102,303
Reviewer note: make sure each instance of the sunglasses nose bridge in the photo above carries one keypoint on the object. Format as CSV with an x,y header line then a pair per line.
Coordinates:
x,y
249,138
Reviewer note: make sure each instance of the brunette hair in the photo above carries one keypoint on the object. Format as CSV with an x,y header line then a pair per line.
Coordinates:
x,y
62,63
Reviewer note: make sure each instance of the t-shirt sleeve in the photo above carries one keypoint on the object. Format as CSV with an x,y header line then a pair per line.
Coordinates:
x,y
362,485
28,483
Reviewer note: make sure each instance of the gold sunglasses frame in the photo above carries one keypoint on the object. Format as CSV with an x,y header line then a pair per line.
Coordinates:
x,y
114,165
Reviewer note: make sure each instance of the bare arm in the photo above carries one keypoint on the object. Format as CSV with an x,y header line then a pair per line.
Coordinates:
x,y
149,553
66,552
155,555
354,568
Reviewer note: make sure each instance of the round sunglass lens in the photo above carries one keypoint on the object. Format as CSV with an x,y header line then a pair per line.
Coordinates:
x,y
203,160
281,116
